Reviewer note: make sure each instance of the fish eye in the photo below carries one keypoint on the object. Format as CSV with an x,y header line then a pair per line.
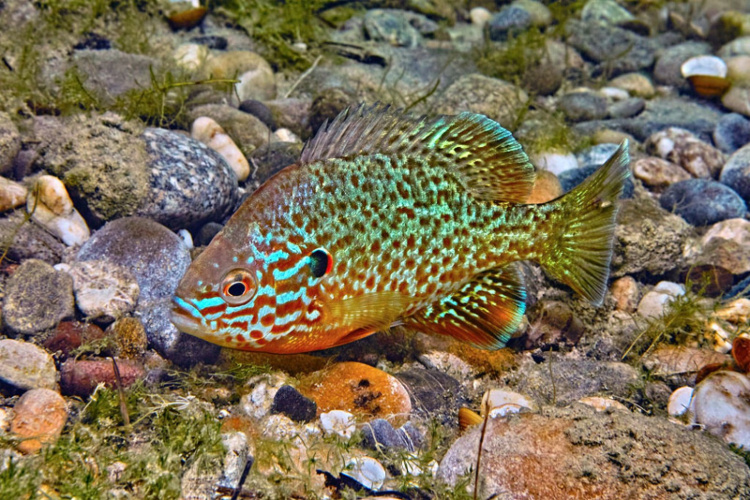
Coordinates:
x,y
320,262
238,287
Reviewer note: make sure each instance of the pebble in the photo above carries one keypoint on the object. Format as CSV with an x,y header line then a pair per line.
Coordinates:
x,y
492,97
658,173
736,172
626,108
10,142
103,289
738,71
80,377
722,408
738,47
500,403
37,298
546,188
207,232
540,14
393,26
237,453
668,66
158,259
129,336
366,471
583,106
327,105
626,294
213,42
257,80
555,162
668,361
338,422
551,323
479,16
379,435
12,194
654,303
596,156
736,312
26,366
614,94
737,99
113,73
362,390
725,244
247,131
211,134
434,394
191,56
69,335
702,202
681,402
51,207
637,84
40,416
189,183
259,110
510,21
605,12
294,405
622,51
732,132
664,112
685,149
572,178
603,404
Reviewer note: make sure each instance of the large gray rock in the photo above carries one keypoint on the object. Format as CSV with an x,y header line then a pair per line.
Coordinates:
x,y
492,97
112,73
28,240
157,258
37,298
669,61
579,453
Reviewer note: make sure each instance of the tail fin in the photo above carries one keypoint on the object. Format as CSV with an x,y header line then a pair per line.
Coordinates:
x,y
586,225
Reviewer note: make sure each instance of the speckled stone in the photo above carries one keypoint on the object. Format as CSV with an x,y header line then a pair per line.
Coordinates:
x,y
620,50
509,21
189,183
702,202
732,132
104,289
582,106
26,366
37,298
736,172
392,26
40,416
10,142
682,147
157,258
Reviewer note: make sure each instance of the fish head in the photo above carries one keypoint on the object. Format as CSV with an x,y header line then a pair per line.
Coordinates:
x,y
260,294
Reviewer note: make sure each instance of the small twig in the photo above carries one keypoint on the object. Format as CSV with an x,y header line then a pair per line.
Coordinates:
x,y
303,76
243,477
121,392
552,381
481,445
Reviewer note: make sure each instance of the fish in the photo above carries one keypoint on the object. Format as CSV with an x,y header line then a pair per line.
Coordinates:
x,y
394,219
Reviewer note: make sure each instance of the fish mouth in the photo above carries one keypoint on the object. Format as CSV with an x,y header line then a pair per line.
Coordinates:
x,y
186,318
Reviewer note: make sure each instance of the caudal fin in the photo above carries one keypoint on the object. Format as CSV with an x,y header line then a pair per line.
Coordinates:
x,y
586,225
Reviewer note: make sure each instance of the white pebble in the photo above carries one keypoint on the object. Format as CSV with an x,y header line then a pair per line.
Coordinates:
x,y
338,422
479,16
187,238
670,288
210,133
501,402
286,135
614,93
52,208
722,407
367,471
680,402
556,163
602,404
191,56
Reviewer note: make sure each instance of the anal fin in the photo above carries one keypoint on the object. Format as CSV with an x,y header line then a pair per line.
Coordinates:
x,y
485,312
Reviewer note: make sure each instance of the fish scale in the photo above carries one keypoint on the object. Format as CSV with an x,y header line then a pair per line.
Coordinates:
x,y
390,218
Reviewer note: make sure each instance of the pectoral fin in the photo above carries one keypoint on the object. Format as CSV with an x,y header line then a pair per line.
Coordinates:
x,y
485,312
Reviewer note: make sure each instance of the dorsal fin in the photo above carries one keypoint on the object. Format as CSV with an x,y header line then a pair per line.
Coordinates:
x,y
490,162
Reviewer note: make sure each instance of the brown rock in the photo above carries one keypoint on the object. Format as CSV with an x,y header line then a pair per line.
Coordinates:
x,y
80,378
626,294
546,188
552,322
69,335
682,147
359,389
658,173
130,337
40,415
580,453
670,360
636,83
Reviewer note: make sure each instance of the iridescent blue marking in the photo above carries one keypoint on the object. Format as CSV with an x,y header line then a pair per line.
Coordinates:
x,y
285,297
285,275
187,306
288,318
208,302
276,256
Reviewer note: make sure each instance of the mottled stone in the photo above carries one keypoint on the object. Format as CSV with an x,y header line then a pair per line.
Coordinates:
x,y
626,294
112,73
736,172
256,78
702,202
583,106
40,416
669,61
12,194
494,98
294,405
605,11
685,149
158,259
130,337
434,394
396,27
637,84
579,453
103,289
732,132
189,183
620,50
10,142
658,173
626,108
737,99
37,298
80,378
246,130
26,366
511,20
